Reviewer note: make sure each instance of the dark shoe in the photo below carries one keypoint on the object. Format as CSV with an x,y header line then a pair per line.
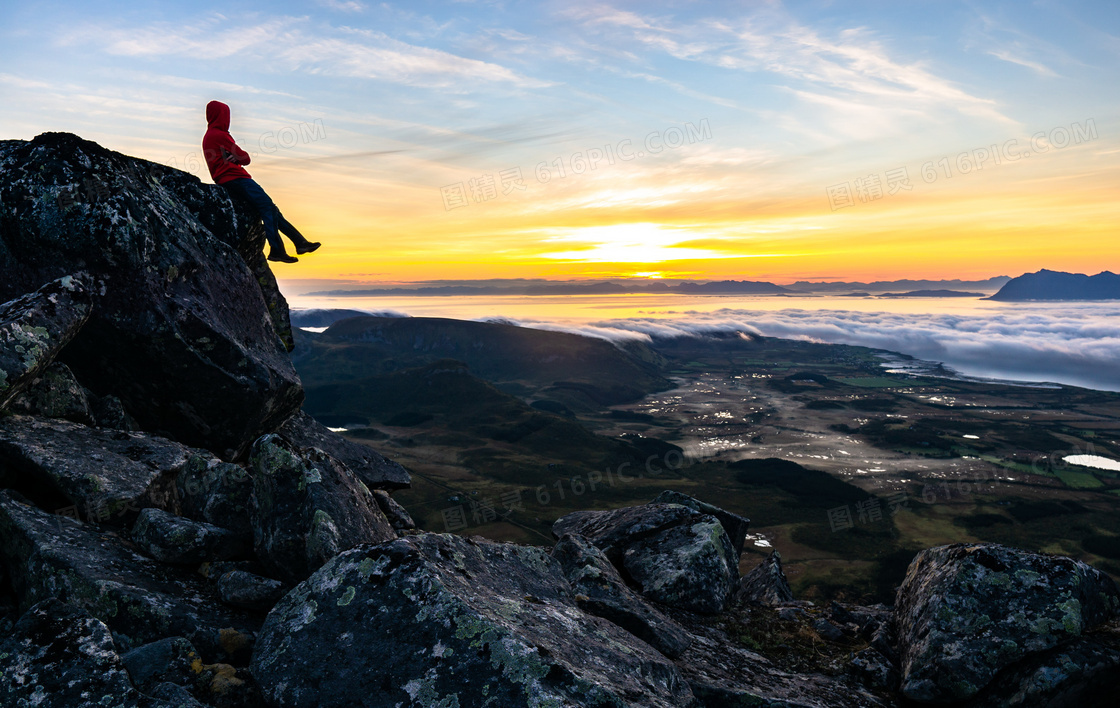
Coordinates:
x,y
307,247
282,258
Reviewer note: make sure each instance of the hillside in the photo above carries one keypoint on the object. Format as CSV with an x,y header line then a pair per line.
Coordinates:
x,y
570,369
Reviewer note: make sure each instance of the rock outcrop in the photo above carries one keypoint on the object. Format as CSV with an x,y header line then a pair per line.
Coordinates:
x,y
443,620
180,329
967,612
139,599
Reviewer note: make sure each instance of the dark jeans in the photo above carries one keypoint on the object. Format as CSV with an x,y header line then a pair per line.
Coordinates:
x,y
248,190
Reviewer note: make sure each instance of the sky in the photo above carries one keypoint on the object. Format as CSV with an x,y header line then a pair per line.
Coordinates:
x,y
779,141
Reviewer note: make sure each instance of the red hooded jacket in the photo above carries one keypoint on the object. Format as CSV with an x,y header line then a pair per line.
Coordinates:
x,y
223,157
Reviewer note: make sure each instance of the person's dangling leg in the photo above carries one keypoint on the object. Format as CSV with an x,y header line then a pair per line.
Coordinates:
x,y
252,192
301,243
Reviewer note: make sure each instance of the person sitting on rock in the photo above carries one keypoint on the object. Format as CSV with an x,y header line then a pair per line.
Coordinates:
x,y
225,160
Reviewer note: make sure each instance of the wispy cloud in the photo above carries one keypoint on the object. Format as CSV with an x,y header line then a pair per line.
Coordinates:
x,y
294,44
852,68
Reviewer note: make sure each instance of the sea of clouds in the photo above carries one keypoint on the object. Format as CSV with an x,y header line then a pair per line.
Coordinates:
x,y
1078,344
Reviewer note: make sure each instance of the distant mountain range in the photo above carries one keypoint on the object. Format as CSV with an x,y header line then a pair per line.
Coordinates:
x,y
606,287
991,284
933,293
685,287
1055,285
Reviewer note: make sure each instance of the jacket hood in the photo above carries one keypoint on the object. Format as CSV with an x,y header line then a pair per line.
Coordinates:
x,y
217,115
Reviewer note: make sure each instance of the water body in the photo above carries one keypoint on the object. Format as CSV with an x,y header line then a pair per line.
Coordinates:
x,y
1068,343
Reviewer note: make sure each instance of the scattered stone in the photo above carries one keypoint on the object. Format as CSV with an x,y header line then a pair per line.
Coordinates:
x,y
308,507
736,526
600,590
169,660
250,591
766,584
105,475
140,600
216,492
435,619
109,412
827,630
35,327
175,696
55,394
58,656
180,328
173,539
965,612
374,469
874,669
398,516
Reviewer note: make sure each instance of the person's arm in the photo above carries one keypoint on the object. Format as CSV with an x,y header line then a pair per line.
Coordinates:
x,y
232,153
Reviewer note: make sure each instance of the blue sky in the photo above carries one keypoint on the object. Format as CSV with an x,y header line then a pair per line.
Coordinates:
x,y
385,103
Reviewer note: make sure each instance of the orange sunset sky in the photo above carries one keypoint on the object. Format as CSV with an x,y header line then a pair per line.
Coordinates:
x,y
774,141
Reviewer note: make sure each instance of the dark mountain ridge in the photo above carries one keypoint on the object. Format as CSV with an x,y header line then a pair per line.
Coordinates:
x,y
1057,285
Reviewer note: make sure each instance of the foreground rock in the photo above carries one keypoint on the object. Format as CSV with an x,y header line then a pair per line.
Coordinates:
x,y
308,508
180,330
675,554
443,620
104,475
35,327
600,590
60,657
966,612
375,471
139,599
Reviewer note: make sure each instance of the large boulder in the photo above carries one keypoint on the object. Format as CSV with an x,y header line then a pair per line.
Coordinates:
x,y
307,508
101,475
35,327
966,612
673,553
373,468
600,590
58,656
441,620
139,599
181,330
736,526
